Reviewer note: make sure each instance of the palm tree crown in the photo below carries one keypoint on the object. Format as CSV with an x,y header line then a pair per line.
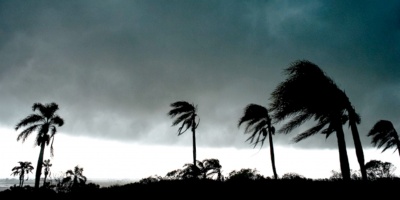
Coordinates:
x,y
186,115
384,135
45,123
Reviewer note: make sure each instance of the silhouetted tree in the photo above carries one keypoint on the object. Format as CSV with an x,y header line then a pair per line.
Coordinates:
x,y
46,165
75,177
293,176
203,169
383,133
150,179
186,115
244,174
210,168
23,169
44,122
308,93
258,124
377,169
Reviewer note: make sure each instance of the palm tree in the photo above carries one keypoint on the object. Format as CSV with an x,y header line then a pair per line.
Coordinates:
x,y
258,124
23,169
383,133
46,165
44,122
308,93
186,114
75,178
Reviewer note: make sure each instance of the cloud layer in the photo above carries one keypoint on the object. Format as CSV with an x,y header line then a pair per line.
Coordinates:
x,y
114,67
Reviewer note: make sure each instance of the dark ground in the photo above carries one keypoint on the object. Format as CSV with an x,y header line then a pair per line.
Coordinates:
x,y
210,189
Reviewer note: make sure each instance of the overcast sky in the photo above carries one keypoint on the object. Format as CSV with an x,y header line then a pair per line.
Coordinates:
x,y
114,67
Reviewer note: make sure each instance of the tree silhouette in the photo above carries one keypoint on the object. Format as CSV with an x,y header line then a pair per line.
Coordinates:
x,y
244,174
74,178
377,169
308,93
23,169
383,133
258,124
46,165
186,114
203,169
44,122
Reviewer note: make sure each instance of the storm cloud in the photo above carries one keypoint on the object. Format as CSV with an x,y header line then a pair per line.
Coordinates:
x,y
114,67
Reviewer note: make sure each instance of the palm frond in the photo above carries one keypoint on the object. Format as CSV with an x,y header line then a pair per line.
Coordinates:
x,y
310,132
57,120
31,119
295,122
25,133
184,116
181,107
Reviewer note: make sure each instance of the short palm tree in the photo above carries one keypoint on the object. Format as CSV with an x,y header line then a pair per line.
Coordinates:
x,y
45,123
258,124
75,178
23,169
46,165
384,134
186,115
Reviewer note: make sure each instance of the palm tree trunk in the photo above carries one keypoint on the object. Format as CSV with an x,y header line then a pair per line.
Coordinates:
x,y
45,177
194,141
358,147
21,180
39,165
344,160
271,149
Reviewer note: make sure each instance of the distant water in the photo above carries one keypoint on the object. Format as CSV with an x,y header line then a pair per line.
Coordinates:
x,y
7,183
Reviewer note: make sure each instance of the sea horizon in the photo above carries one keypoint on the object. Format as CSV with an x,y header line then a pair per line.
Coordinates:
x,y
6,183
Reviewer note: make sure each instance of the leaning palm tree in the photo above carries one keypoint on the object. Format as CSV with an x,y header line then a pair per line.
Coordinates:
x,y
258,124
44,123
23,169
46,165
306,94
384,134
186,114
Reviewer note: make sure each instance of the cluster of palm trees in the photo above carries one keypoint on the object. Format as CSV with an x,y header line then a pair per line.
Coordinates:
x,y
307,93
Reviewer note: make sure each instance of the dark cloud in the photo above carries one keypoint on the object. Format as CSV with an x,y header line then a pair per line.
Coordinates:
x,y
114,67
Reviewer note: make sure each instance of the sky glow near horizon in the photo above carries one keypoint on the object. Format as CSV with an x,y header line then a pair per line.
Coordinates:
x,y
114,68
117,160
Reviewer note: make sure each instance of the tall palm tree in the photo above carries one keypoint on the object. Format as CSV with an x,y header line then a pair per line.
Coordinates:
x,y
46,165
308,93
44,123
258,124
384,134
75,177
185,114
23,169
